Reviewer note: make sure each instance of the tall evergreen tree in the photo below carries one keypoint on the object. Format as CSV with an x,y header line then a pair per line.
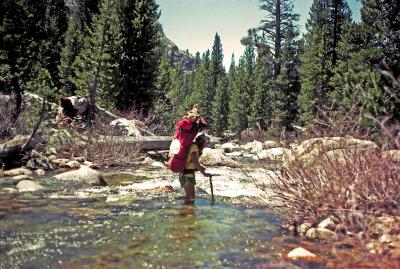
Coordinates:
x,y
216,72
55,25
325,26
97,66
275,26
78,27
220,107
382,20
202,85
28,31
243,92
288,82
261,107
140,61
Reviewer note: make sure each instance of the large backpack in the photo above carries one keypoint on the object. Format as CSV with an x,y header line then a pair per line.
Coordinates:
x,y
185,132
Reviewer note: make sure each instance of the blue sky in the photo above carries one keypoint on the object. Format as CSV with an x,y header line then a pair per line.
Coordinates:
x,y
192,24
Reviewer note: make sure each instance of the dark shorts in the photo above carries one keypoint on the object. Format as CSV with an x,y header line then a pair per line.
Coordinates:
x,y
185,178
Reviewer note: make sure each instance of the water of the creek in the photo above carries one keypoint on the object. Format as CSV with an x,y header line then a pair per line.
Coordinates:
x,y
115,227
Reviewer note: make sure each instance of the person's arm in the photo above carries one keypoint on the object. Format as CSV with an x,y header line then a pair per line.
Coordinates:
x,y
198,165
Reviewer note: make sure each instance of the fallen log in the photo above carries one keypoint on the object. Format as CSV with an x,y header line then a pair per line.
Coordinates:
x,y
146,143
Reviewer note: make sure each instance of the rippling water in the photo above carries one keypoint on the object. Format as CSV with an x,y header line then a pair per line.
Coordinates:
x,y
122,227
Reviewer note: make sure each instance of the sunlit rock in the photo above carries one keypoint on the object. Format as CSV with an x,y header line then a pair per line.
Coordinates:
x,y
321,233
269,144
84,175
300,253
17,172
215,157
29,185
230,147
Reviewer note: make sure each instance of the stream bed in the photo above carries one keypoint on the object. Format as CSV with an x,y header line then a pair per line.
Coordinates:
x,y
131,226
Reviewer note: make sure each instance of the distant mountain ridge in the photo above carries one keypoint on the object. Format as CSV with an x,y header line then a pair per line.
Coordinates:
x,y
176,56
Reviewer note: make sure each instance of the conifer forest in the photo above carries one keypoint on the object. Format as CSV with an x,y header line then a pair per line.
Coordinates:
x,y
115,54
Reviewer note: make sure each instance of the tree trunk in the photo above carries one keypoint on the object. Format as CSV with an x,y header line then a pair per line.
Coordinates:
x,y
277,64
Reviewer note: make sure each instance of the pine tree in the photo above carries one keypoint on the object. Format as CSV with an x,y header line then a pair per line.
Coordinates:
x,y
164,106
243,92
220,109
140,61
327,20
261,107
22,34
97,66
275,26
216,72
202,85
78,28
382,19
288,82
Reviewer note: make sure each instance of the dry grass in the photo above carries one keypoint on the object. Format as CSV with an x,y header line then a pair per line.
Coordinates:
x,y
101,146
355,190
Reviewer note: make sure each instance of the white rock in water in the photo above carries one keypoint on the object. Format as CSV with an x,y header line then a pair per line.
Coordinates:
x,y
29,185
299,253
84,175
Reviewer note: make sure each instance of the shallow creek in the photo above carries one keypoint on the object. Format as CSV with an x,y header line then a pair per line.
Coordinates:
x,y
131,226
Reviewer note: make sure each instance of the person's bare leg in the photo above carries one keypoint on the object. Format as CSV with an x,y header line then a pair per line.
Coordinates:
x,y
190,192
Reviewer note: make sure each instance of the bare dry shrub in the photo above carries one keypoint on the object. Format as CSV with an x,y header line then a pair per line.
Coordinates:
x,y
355,189
99,145
252,134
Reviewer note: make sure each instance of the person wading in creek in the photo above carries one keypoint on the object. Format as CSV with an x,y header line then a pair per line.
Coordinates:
x,y
187,177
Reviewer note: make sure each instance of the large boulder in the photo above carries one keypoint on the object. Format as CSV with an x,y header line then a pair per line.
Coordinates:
x,y
215,157
274,154
125,127
310,152
29,185
84,175
230,147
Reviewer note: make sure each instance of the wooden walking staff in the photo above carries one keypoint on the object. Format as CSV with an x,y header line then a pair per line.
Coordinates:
x,y
212,190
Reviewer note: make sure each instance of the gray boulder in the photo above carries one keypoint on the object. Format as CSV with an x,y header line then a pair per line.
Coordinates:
x,y
84,175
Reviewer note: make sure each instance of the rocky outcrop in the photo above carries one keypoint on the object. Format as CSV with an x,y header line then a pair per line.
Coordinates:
x,y
310,152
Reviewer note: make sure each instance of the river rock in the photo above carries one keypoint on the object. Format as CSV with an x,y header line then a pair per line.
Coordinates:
x,y
215,157
311,151
230,147
269,144
321,233
21,177
327,223
235,154
73,164
17,172
60,162
253,147
84,175
304,227
271,154
9,190
29,185
300,253
125,127
40,172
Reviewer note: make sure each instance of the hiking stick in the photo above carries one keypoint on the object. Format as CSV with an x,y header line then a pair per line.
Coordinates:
x,y
212,190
